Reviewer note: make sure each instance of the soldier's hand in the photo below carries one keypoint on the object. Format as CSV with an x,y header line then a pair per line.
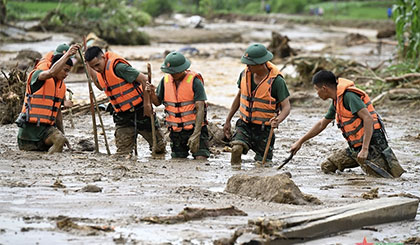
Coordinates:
x,y
295,147
73,49
194,142
150,88
226,130
68,104
274,122
362,156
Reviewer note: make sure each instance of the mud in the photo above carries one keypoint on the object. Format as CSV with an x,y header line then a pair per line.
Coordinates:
x,y
278,188
140,187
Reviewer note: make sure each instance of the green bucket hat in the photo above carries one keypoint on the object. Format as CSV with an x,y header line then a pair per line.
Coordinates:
x,y
61,48
256,54
175,63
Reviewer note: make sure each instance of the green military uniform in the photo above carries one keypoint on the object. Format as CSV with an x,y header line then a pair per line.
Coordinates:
x,y
31,137
179,139
254,136
124,121
379,151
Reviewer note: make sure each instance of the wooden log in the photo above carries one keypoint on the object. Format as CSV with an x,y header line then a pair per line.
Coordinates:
x,y
314,224
403,78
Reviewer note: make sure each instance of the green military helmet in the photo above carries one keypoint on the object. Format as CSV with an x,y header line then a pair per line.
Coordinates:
x,y
61,48
175,63
256,54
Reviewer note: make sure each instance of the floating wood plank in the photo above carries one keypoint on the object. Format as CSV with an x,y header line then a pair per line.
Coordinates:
x,y
309,225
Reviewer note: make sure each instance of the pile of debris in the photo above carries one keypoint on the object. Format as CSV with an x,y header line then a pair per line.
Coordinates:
x,y
12,93
279,46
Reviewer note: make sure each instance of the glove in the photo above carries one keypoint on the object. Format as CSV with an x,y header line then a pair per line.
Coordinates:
x,y
194,142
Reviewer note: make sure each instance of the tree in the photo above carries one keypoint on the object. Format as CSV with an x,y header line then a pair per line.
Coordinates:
x,y
3,12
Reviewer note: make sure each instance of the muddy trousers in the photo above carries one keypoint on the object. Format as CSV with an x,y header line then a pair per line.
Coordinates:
x,y
125,133
52,140
380,154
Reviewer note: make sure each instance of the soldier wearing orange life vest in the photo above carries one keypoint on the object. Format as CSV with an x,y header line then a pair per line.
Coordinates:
x,y
262,101
123,86
40,122
182,92
361,127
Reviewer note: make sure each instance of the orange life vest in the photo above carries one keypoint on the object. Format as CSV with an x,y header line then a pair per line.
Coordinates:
x,y
43,105
179,102
123,95
45,62
352,125
258,106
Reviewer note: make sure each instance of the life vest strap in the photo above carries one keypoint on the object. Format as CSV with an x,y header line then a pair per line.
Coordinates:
x,y
248,109
129,101
250,119
181,124
44,107
178,104
252,99
180,114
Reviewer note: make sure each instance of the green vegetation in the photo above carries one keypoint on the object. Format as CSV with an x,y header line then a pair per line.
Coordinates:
x,y
407,21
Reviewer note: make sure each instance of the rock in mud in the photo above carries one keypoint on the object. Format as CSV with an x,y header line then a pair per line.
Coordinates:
x,y
91,188
386,32
85,145
278,188
372,194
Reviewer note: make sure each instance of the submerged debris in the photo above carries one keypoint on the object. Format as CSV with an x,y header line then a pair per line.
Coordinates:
x,y
194,214
91,188
278,188
372,194
67,224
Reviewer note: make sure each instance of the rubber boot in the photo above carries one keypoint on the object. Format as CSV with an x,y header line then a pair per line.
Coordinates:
x,y
236,159
58,140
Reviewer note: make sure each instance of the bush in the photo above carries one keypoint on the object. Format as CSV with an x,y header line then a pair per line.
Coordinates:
x,y
157,7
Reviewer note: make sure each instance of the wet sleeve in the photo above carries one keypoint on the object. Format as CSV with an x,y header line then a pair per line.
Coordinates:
x,y
160,90
331,112
353,102
126,72
279,90
199,92
35,83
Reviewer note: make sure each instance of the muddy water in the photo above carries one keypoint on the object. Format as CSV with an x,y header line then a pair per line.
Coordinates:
x,y
131,189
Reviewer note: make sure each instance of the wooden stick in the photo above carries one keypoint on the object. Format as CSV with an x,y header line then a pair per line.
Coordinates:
x,y
152,117
92,96
70,109
268,145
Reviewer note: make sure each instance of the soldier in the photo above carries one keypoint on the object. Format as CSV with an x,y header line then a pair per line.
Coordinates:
x,y
131,107
40,122
263,102
360,124
182,92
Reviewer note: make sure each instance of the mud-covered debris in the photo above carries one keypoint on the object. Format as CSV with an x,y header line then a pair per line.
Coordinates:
x,y
279,46
229,241
195,214
12,93
91,188
372,194
58,184
412,240
403,194
404,94
386,32
67,224
278,188
217,136
354,39
85,145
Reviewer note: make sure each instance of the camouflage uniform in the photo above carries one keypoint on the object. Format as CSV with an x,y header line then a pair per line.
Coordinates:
x,y
179,143
125,131
254,137
379,153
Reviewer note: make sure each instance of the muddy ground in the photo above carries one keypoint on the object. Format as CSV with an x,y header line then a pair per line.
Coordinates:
x,y
37,190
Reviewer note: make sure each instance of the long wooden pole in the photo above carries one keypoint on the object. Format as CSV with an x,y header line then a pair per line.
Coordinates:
x,y
268,145
93,98
152,117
